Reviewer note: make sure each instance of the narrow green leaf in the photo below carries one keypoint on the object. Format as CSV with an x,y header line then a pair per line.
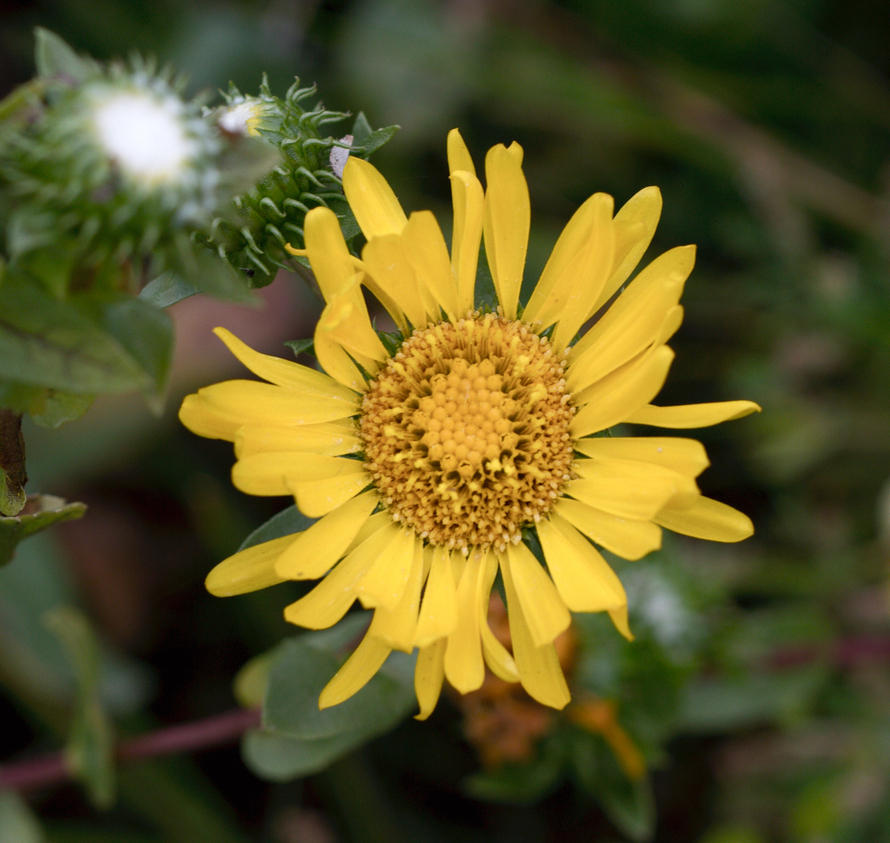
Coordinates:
x,y
90,749
168,288
40,512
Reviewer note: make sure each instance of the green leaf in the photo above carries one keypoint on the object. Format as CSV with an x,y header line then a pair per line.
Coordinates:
x,y
90,749
208,273
299,347
252,680
54,57
146,333
628,803
288,521
82,345
297,737
17,823
716,704
303,666
517,783
168,288
277,757
367,140
40,512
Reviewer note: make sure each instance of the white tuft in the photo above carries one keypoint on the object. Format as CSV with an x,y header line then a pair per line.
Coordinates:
x,y
339,156
240,119
144,135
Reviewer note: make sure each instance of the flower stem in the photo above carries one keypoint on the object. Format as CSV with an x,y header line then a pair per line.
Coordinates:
x,y
186,737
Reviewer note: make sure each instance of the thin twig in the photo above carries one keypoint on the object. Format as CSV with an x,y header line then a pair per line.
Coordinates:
x,y
186,737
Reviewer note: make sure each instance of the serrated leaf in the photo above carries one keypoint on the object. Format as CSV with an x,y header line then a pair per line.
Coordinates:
x,y
40,512
82,345
90,748
283,523
303,666
55,58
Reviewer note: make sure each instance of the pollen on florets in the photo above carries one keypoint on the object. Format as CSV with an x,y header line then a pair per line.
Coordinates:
x,y
466,431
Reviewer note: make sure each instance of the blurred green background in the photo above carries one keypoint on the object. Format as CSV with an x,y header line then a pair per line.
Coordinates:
x,y
759,690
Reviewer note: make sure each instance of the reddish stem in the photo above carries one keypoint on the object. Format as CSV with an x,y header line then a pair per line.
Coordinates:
x,y
187,737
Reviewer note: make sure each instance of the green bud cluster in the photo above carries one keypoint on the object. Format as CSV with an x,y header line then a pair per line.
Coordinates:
x,y
253,236
77,197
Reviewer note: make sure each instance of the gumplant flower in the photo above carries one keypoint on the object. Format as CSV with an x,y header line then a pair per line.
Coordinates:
x,y
469,445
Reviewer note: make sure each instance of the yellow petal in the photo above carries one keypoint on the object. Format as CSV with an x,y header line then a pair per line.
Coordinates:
x,y
614,398
707,519
331,598
397,626
633,322
582,577
429,673
252,402
328,438
438,613
619,619
544,611
386,580
539,669
464,666
634,226
506,221
692,415
427,253
458,155
345,321
684,455
316,498
466,237
331,262
248,570
628,488
577,232
202,418
274,473
372,200
334,359
314,551
499,660
287,373
389,269
356,672
630,539
579,288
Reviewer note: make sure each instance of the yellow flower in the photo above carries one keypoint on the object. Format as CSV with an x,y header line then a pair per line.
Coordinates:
x,y
434,468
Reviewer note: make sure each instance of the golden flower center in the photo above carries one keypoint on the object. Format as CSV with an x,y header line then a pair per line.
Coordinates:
x,y
466,431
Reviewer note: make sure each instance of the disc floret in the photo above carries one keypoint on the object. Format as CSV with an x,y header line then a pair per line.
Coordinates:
x,y
466,431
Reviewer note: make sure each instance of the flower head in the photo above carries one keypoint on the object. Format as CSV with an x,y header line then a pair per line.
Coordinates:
x,y
473,449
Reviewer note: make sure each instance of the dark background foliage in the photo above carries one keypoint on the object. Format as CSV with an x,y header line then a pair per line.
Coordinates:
x,y
766,126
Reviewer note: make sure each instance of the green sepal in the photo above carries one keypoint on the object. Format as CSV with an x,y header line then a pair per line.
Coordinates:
x,y
40,512
90,747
